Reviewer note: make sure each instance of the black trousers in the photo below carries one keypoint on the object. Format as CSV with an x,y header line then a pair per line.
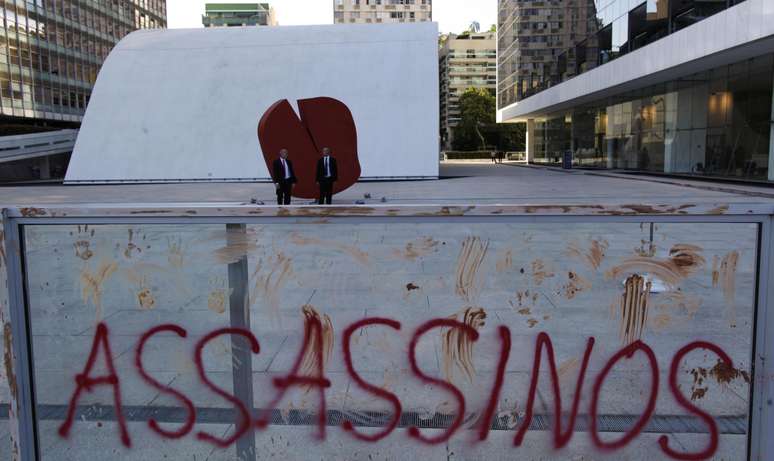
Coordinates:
x,y
283,192
326,192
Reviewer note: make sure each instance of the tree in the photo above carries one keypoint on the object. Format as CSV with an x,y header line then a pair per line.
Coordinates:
x,y
442,39
477,109
477,129
493,28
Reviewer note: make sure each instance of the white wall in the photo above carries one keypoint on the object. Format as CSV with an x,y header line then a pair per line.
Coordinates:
x,y
184,104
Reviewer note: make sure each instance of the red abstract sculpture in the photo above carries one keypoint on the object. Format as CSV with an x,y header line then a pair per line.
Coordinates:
x,y
324,122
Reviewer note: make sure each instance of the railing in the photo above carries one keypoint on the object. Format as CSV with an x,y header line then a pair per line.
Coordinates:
x,y
19,147
179,332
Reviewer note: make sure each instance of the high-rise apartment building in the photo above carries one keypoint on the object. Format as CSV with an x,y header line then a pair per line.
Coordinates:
x,y
467,60
238,14
380,11
534,38
52,50
680,87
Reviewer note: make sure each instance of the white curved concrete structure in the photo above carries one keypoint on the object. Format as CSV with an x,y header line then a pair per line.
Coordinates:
x,y
184,105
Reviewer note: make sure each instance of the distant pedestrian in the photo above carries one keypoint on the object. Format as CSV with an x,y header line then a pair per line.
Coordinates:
x,y
327,175
284,177
500,156
494,157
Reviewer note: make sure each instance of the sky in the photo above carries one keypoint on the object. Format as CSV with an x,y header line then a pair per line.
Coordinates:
x,y
451,15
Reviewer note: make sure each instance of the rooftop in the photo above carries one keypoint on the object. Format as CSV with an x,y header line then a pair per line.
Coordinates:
x,y
232,7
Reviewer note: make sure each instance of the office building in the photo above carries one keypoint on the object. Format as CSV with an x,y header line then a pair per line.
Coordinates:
x,y
381,11
660,86
467,60
52,50
238,14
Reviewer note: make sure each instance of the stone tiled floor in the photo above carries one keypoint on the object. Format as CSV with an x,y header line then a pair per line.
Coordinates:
x,y
462,183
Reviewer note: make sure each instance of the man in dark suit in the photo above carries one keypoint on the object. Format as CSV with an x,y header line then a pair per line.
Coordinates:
x,y
327,174
284,177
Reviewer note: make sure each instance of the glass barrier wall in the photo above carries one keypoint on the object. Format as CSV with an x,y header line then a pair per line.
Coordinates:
x,y
207,341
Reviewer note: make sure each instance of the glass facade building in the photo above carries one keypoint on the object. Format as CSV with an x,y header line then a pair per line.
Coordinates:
x,y
52,50
532,35
716,122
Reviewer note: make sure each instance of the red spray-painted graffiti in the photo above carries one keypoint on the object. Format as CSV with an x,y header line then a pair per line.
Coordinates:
x,y
84,381
244,421
189,423
313,338
312,331
377,391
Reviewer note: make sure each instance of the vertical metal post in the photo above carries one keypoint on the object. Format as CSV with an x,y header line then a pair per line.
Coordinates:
x,y
761,444
22,403
241,355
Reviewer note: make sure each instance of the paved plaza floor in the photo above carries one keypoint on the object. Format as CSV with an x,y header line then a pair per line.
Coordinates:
x,y
478,183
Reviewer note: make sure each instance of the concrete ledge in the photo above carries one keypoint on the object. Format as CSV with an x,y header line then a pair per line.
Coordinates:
x,y
629,208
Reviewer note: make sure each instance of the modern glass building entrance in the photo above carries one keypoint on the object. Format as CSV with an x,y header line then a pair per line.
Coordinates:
x,y
672,86
713,123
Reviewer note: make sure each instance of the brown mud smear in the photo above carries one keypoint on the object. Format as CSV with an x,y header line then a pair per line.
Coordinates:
x,y
91,285
539,272
2,248
567,368
593,256
634,308
416,249
724,374
698,393
468,263
727,280
82,245
674,307
684,260
239,244
457,347
505,262
721,372
356,253
309,362
575,284
82,249
145,299
270,277
525,297
132,249
646,249
8,359
216,300
687,258
175,253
